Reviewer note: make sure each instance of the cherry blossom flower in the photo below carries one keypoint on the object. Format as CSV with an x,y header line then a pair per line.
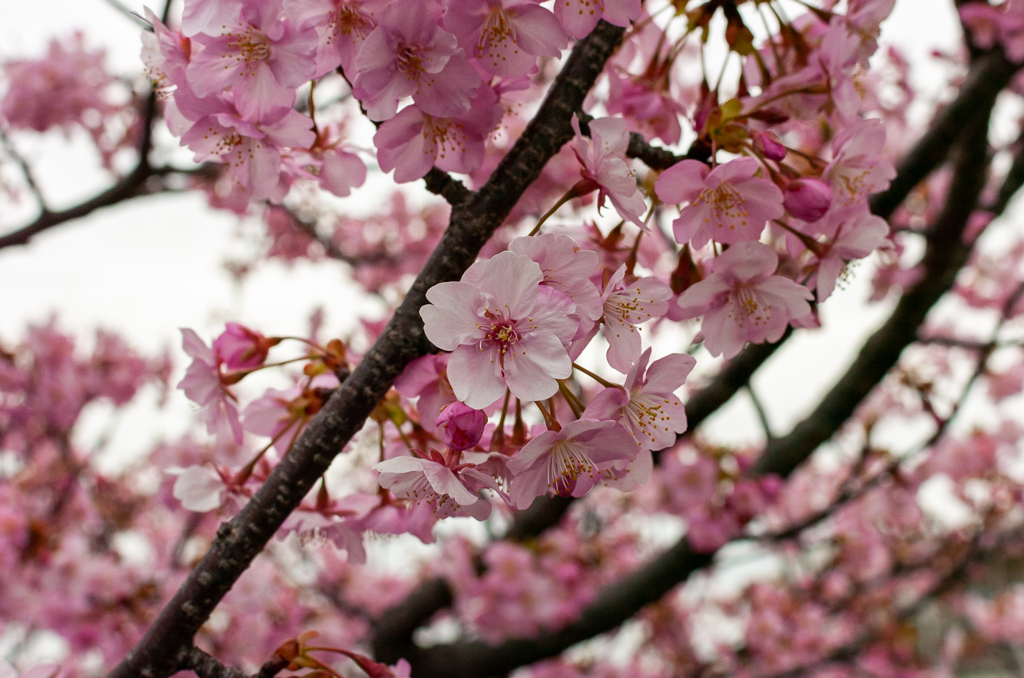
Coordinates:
x,y
260,55
253,150
743,300
578,17
727,204
239,348
409,54
342,26
648,109
198,488
412,141
202,385
858,235
165,54
568,462
646,404
505,36
431,483
807,198
463,426
857,169
427,379
628,303
58,90
983,20
504,328
603,156
567,268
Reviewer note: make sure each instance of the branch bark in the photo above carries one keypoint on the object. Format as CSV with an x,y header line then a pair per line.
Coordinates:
x,y
473,221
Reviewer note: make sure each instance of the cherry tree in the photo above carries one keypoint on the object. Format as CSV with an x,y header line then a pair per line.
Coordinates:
x,y
620,228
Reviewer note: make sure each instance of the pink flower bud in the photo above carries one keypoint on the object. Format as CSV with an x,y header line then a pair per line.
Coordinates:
x,y
240,348
462,425
807,198
768,145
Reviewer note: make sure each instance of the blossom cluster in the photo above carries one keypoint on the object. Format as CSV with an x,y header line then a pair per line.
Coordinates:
x,y
546,375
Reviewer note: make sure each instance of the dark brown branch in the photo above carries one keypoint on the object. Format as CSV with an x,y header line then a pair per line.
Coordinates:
x,y
442,184
26,171
206,666
472,223
130,186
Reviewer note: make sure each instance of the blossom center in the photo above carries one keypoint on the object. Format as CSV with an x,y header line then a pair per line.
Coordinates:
x,y
503,334
349,22
410,61
645,412
727,203
497,29
750,307
252,45
566,464
421,492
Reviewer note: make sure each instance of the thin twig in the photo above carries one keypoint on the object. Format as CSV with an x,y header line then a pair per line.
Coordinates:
x,y
26,171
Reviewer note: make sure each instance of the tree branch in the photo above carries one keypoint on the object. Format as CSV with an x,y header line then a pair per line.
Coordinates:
x,y
130,186
206,666
472,223
26,171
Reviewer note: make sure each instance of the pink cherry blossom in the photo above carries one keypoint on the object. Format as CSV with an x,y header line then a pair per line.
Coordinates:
x,y
198,488
983,21
463,426
505,36
567,268
253,150
578,17
504,328
412,142
857,169
646,404
206,16
568,462
628,303
427,379
202,385
58,90
342,26
727,204
603,156
260,55
239,348
431,483
409,54
743,300
648,109
859,234
807,198
165,54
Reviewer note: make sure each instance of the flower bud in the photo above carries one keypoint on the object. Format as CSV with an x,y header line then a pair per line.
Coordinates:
x,y
768,145
462,425
240,348
807,198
